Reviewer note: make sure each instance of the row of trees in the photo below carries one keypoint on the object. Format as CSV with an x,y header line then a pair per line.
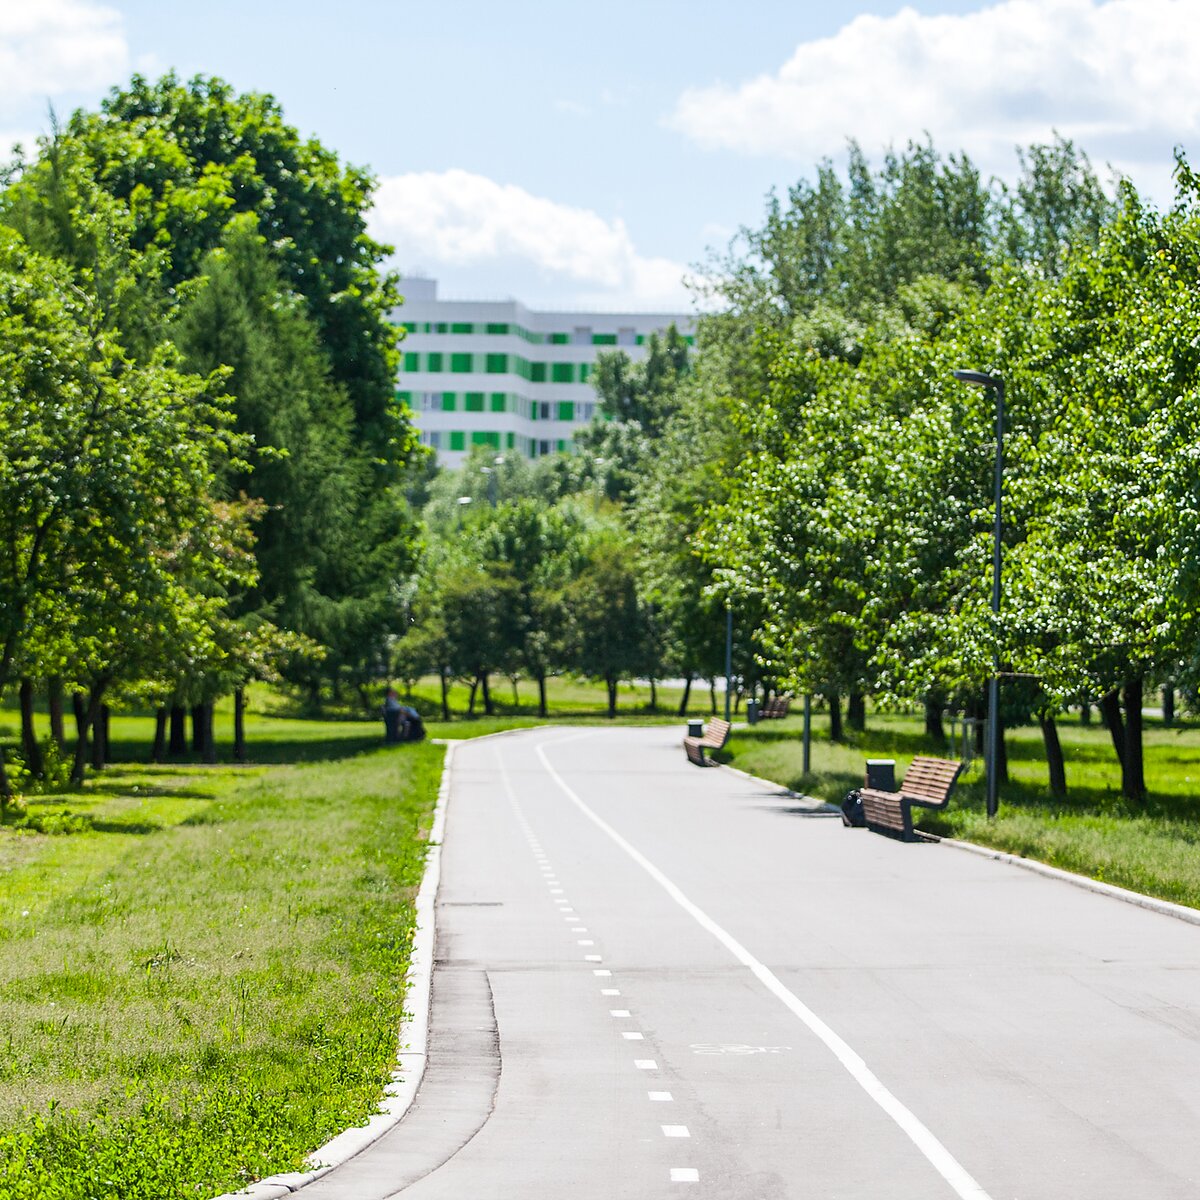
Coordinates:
x,y
202,466
817,469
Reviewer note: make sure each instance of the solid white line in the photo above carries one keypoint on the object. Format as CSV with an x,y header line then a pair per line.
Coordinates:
x,y
942,1161
675,1131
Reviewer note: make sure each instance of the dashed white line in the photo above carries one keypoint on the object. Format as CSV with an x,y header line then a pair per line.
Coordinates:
x,y
921,1136
610,991
580,929
685,1175
631,1035
661,1097
586,942
618,1012
675,1131
604,974
645,1064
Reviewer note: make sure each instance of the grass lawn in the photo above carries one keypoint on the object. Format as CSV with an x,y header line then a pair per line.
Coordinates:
x,y
1150,848
204,983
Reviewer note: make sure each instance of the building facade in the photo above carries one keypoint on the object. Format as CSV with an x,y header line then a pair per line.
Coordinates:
x,y
494,373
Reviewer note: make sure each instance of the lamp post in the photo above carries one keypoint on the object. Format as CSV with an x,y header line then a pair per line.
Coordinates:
x,y
728,656
979,379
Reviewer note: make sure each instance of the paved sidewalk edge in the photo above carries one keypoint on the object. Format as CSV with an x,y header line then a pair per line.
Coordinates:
x,y
414,1031
817,806
1180,911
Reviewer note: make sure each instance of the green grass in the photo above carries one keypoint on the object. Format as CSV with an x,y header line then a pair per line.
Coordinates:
x,y
1149,848
206,984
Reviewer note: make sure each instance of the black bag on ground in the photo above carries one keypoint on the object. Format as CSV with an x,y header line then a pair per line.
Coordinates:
x,y
852,811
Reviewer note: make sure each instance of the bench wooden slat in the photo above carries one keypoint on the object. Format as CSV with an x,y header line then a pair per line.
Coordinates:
x,y
716,734
928,782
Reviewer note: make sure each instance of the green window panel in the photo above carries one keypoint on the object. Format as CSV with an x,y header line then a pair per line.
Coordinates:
x,y
690,338
458,440
497,364
407,326
460,363
604,339
537,373
499,402
497,329
440,327
585,372
560,339
562,373
433,362
641,339
509,440
412,362
474,402
404,397
561,444
462,327
485,437
566,410
449,402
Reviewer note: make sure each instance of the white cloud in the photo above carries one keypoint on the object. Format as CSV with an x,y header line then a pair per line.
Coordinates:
x,y
1119,77
458,223
48,47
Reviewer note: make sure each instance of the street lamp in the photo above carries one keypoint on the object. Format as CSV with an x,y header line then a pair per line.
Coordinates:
x,y
979,379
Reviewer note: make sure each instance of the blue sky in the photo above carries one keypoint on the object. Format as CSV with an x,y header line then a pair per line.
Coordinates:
x,y
587,155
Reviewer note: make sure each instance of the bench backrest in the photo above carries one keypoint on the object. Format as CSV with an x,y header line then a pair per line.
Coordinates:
x,y
716,732
931,778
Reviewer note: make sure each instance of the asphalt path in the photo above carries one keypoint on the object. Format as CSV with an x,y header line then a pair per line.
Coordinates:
x,y
655,980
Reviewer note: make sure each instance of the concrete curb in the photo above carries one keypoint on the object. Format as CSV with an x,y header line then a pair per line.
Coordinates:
x,y
414,1031
1165,907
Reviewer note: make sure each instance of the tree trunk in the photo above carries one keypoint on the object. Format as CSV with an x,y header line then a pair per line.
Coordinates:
x,y
487,694
1168,704
160,735
653,697
712,695
856,711
612,695
197,728
1110,710
445,695
687,694
100,739
1133,777
5,786
1054,755
178,744
209,753
86,714
56,712
836,733
239,725
79,711
29,742
471,698
541,682
933,719
1085,713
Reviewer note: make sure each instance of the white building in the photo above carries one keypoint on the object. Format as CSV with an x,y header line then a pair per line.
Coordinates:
x,y
494,373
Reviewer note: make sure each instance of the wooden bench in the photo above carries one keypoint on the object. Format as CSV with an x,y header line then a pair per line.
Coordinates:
x,y
777,706
716,734
928,782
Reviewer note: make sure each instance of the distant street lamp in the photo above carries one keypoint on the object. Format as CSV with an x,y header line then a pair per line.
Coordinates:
x,y
979,379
